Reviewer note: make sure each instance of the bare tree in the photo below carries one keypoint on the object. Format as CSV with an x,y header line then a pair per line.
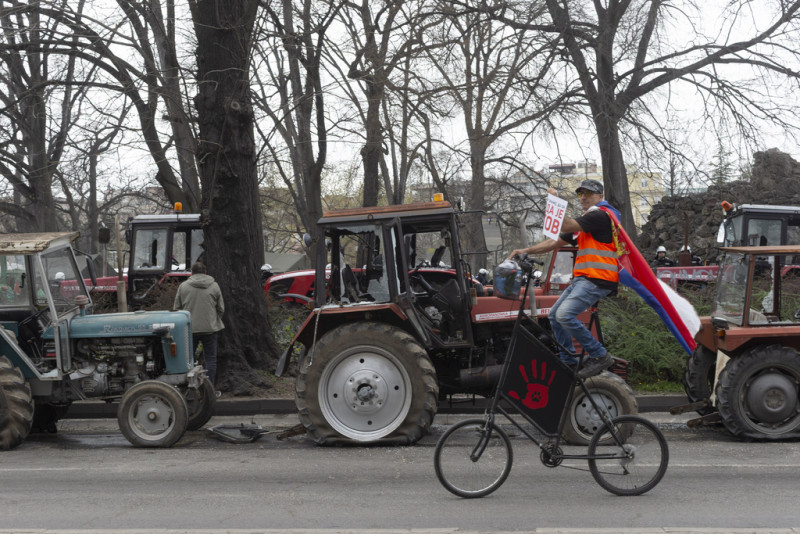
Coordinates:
x,y
87,46
504,81
626,53
153,23
384,38
35,116
289,52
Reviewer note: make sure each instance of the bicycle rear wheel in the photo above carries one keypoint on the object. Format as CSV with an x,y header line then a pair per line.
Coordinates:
x,y
473,458
628,456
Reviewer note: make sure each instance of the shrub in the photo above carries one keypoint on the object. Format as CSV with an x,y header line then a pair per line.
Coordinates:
x,y
632,330
285,319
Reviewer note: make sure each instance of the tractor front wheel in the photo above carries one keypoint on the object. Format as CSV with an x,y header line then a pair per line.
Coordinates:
x,y
698,376
153,414
757,393
366,382
16,405
610,393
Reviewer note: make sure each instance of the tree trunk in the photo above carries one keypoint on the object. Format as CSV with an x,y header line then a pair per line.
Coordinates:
x,y
615,177
229,207
473,240
371,153
91,209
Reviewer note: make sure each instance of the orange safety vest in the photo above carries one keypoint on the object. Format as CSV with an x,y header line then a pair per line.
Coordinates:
x,y
596,259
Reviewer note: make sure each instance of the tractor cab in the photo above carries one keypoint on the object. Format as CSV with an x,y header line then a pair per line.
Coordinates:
x,y
41,291
756,286
161,245
401,257
759,225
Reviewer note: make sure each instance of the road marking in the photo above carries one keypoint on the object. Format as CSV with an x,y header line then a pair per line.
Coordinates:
x,y
554,530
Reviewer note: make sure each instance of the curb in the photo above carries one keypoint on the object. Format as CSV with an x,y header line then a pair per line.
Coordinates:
x,y
250,406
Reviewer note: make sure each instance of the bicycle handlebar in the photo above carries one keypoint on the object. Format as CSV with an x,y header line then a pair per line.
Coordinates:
x,y
526,262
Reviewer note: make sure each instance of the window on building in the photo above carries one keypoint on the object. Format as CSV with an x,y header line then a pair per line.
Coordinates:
x,y
644,182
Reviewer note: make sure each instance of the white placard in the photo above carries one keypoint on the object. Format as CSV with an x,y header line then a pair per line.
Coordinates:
x,y
554,216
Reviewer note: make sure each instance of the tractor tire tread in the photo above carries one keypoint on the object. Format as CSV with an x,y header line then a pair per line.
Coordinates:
x,y
736,370
413,428
16,401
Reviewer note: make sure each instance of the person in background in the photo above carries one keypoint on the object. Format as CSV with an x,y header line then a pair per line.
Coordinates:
x,y
695,259
200,296
661,259
266,273
482,278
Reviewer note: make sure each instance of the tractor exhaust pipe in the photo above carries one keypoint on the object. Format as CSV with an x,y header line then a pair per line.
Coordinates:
x,y
480,377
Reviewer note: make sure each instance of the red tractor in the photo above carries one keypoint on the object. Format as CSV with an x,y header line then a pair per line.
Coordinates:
x,y
745,371
399,324
162,250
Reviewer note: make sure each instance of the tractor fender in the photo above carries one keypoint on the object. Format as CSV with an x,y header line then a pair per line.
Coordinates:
x,y
9,346
321,320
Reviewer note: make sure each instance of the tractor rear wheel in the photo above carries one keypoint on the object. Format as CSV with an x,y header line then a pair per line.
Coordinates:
x,y
152,414
757,393
200,402
366,382
610,393
16,405
698,377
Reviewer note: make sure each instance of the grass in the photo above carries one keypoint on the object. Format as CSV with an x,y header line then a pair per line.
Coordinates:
x,y
659,387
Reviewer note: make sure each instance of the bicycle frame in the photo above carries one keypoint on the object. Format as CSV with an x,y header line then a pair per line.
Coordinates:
x,y
635,453
495,407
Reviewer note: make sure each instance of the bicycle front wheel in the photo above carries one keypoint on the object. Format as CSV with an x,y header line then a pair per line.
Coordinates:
x,y
628,455
473,458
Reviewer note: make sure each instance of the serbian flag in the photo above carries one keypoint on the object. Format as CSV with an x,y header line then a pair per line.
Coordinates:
x,y
677,313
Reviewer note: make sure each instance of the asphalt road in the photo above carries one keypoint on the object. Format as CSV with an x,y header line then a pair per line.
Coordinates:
x,y
87,477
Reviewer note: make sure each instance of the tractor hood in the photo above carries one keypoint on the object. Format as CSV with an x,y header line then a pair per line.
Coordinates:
x,y
171,327
139,323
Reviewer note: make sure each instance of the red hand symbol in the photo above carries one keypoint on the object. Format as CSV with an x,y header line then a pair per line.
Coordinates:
x,y
537,395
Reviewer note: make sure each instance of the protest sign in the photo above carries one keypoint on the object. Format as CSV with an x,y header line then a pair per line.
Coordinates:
x,y
554,216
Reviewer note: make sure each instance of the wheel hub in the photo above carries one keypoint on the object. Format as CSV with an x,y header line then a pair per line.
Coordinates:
x,y
365,391
153,416
772,397
365,394
588,418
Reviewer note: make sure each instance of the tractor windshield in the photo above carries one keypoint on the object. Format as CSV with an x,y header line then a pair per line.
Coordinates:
x,y
775,291
61,278
731,288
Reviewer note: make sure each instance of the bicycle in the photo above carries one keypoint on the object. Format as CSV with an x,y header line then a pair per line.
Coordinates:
x,y
628,455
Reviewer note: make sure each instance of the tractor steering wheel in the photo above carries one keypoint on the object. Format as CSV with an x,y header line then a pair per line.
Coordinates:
x,y
415,276
33,317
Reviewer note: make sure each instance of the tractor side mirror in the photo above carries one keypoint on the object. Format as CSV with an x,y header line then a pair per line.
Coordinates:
x,y
104,235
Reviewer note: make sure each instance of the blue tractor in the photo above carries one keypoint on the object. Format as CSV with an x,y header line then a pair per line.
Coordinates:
x,y
54,351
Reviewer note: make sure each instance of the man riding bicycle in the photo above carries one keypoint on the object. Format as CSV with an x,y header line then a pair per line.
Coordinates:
x,y
595,276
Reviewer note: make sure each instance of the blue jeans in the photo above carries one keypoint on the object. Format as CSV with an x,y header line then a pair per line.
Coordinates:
x,y
209,353
576,299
